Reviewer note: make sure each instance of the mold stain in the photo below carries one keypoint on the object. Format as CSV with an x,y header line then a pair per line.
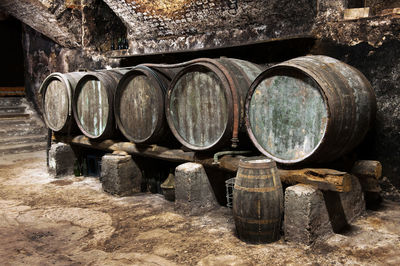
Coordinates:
x,y
162,8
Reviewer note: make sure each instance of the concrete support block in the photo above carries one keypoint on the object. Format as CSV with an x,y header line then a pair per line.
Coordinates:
x,y
311,214
61,160
193,192
120,175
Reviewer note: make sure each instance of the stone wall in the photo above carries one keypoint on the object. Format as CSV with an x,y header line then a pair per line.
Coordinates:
x,y
43,56
372,45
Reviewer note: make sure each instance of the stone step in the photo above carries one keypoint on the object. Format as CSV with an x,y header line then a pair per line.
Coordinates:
x,y
12,109
10,101
19,122
14,116
21,148
19,131
23,139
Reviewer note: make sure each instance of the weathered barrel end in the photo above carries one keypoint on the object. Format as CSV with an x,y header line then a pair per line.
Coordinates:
x,y
205,102
93,103
312,108
57,91
139,105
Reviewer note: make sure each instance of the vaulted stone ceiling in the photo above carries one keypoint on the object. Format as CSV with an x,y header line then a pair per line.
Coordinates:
x,y
167,25
51,18
154,26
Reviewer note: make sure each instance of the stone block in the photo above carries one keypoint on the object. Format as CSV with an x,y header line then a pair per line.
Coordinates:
x,y
120,175
193,191
311,214
61,160
305,217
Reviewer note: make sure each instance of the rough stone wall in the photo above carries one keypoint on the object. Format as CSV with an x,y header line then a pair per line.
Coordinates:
x,y
70,23
49,18
162,26
43,57
372,45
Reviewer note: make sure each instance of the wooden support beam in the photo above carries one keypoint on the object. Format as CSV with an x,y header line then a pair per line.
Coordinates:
x,y
324,179
366,169
369,173
356,13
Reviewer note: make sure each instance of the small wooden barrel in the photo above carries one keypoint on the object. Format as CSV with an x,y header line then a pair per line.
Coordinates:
x,y
139,104
57,91
312,108
93,103
205,103
257,200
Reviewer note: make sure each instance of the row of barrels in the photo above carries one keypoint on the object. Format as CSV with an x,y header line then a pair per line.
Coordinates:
x,y
311,108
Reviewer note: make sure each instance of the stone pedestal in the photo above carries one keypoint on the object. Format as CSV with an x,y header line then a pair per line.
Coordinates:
x,y
120,175
61,160
311,214
193,192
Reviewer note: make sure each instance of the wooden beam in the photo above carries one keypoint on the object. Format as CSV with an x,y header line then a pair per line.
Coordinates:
x,y
367,169
324,179
369,173
356,13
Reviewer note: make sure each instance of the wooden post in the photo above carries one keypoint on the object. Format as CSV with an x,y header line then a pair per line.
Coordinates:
x,y
369,173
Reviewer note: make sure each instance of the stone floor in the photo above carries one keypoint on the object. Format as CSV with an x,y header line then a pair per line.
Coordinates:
x,y
71,221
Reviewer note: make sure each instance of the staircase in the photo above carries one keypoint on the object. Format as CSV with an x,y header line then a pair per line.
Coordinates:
x,y
21,130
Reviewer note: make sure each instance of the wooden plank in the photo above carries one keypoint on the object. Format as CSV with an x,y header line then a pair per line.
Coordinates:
x,y
356,13
7,89
324,179
12,91
390,11
368,173
367,169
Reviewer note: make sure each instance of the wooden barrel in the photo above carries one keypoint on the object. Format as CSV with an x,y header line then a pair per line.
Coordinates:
x,y
57,91
205,102
93,103
309,109
139,104
257,200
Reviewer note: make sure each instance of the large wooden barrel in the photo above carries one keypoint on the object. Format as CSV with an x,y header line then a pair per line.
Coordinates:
x,y
93,103
309,109
139,104
57,91
205,102
257,200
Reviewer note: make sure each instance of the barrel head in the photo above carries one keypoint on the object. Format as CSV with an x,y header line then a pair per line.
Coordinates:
x,y
56,103
287,115
198,109
92,107
140,108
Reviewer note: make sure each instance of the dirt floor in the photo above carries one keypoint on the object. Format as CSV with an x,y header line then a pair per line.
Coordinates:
x,y
71,221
